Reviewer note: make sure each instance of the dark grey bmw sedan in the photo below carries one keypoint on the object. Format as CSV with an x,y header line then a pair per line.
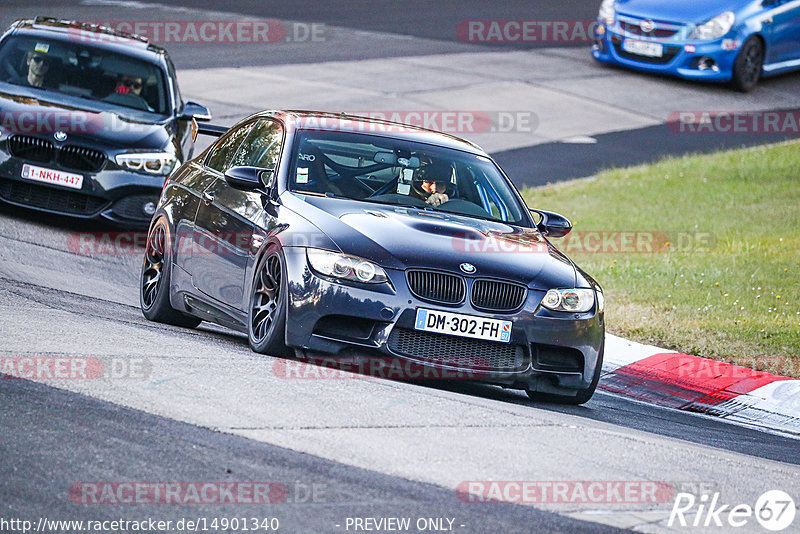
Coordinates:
x,y
319,233
91,121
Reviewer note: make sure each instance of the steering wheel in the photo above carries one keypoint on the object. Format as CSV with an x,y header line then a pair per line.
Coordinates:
x,y
129,100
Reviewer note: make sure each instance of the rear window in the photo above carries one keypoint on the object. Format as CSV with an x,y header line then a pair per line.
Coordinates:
x,y
84,71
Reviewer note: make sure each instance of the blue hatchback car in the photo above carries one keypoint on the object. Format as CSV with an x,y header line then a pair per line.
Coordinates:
x,y
736,41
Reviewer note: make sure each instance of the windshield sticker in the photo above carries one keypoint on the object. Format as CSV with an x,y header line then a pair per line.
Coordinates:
x,y
42,47
302,175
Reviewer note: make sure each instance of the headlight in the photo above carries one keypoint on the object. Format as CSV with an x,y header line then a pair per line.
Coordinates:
x,y
569,300
157,163
607,12
345,267
714,28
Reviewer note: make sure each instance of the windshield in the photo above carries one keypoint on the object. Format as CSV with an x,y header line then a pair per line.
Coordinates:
x,y
372,168
83,71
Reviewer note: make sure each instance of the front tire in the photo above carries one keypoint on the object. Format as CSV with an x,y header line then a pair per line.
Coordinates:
x,y
266,317
748,65
154,280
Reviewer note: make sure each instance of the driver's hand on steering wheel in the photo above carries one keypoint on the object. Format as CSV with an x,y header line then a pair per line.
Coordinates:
x,y
437,199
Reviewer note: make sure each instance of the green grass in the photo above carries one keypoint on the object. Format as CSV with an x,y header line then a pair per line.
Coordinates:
x,y
727,286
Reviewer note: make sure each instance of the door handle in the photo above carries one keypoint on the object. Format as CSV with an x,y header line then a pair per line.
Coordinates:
x,y
208,197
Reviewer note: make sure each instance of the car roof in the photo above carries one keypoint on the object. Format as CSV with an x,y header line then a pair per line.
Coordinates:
x,y
89,34
344,122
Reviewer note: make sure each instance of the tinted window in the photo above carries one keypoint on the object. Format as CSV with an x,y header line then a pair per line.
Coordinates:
x,y
80,70
222,153
171,70
385,170
262,146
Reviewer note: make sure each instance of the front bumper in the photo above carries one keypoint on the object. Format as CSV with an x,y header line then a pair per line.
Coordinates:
x,y
548,352
111,194
694,60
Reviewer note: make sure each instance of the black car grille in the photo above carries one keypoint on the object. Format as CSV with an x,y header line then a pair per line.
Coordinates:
x,y
460,352
31,148
560,359
48,198
81,158
493,295
436,286
74,157
669,53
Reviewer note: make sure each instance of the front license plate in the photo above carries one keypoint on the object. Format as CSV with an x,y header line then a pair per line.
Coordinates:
x,y
50,176
643,48
457,324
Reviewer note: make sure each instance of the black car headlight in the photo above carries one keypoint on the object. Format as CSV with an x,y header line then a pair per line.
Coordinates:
x,y
569,300
156,163
345,267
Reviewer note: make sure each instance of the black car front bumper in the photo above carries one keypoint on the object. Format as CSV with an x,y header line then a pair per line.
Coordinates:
x,y
548,351
112,194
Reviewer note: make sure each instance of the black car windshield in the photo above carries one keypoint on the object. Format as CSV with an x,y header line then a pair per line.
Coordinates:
x,y
84,71
387,170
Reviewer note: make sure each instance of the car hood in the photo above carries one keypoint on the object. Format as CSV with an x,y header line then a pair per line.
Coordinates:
x,y
687,11
38,116
399,238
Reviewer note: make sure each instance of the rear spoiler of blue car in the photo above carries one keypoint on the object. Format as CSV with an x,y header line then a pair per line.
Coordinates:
x,y
207,129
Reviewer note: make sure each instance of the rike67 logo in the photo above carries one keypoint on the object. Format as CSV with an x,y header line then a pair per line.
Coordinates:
x,y
774,510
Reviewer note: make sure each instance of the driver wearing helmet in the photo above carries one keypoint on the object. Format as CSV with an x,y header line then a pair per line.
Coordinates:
x,y
432,181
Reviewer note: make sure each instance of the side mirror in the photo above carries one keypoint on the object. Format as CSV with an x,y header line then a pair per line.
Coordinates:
x,y
193,110
247,178
552,224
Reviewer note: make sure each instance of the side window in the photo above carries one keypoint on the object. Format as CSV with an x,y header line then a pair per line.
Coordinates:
x,y
262,146
174,77
220,157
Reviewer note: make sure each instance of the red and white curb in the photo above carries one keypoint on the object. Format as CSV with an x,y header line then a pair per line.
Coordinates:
x,y
685,382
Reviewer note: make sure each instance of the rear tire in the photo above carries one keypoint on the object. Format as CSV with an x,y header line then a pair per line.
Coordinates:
x,y
154,280
748,65
582,396
266,316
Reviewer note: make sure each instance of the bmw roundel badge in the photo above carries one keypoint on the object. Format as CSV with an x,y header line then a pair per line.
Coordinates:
x,y
467,268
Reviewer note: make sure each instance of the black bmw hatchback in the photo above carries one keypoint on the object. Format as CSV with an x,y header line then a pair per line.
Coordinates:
x,y
331,234
91,121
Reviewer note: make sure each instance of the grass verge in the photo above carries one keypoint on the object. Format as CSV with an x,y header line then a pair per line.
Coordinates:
x,y
720,279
